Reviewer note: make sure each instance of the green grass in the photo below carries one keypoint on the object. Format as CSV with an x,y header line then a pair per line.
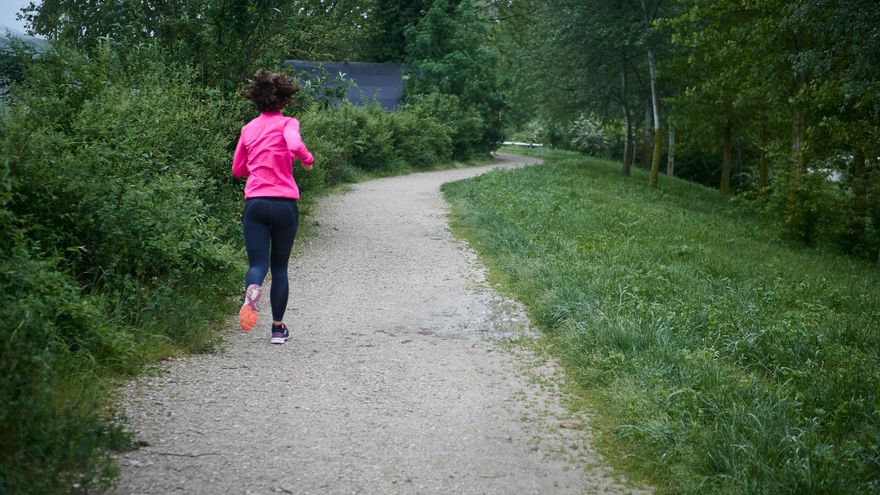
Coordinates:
x,y
719,358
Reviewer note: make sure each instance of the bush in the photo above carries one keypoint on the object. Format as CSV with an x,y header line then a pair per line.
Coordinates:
x,y
117,200
348,141
465,125
809,208
51,435
134,170
587,136
534,131
862,233
51,432
349,135
420,141
551,134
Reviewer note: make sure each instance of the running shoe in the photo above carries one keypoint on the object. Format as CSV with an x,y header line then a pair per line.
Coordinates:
x,y
280,334
248,315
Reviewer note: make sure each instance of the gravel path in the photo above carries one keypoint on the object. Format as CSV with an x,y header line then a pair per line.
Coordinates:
x,y
396,378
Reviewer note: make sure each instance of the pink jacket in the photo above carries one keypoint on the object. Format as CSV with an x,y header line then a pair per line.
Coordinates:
x,y
265,153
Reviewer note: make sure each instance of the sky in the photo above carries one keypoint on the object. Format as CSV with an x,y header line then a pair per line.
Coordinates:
x,y
8,9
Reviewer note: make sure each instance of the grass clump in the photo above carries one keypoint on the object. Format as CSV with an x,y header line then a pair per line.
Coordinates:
x,y
721,359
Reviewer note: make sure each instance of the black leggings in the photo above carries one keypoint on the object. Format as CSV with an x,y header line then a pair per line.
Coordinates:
x,y
269,229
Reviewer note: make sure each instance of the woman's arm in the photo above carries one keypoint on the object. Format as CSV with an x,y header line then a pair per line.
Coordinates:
x,y
296,145
239,160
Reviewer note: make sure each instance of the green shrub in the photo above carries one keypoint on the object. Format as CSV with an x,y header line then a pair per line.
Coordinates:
x,y
809,208
464,124
348,141
51,434
118,216
588,136
420,141
52,344
325,132
125,186
450,56
862,233
348,136
533,131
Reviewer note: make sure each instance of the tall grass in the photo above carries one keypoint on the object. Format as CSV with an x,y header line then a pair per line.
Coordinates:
x,y
720,359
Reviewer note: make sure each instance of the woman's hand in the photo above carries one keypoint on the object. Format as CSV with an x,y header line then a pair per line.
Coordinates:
x,y
309,160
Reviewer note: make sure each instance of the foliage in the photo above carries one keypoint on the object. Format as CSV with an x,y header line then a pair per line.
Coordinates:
x,y
349,141
52,349
787,62
766,88
464,124
391,18
550,133
136,159
588,136
360,135
533,131
819,210
581,51
752,373
421,140
117,203
450,54
223,41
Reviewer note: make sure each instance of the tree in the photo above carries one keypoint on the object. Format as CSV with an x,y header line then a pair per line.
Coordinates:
x,y
651,11
586,62
390,19
225,40
712,103
449,50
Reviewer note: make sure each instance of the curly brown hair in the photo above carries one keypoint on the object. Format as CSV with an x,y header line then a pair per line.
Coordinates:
x,y
270,91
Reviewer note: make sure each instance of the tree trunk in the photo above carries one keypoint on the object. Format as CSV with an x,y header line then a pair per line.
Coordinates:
x,y
800,221
655,105
727,161
646,133
797,143
739,157
859,162
763,171
670,157
627,120
859,201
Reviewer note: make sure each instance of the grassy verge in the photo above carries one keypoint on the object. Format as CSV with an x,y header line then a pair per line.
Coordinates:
x,y
719,358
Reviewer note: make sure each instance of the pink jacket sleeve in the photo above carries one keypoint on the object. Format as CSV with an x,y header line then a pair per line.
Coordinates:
x,y
239,161
295,143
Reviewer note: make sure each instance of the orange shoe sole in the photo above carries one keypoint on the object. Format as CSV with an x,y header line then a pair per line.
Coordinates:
x,y
247,317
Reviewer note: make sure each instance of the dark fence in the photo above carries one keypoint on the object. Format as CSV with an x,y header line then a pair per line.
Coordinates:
x,y
380,82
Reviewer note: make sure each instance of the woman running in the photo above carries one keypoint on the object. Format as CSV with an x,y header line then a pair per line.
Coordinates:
x,y
264,155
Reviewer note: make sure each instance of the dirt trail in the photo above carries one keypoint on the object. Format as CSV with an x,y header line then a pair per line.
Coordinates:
x,y
395,380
